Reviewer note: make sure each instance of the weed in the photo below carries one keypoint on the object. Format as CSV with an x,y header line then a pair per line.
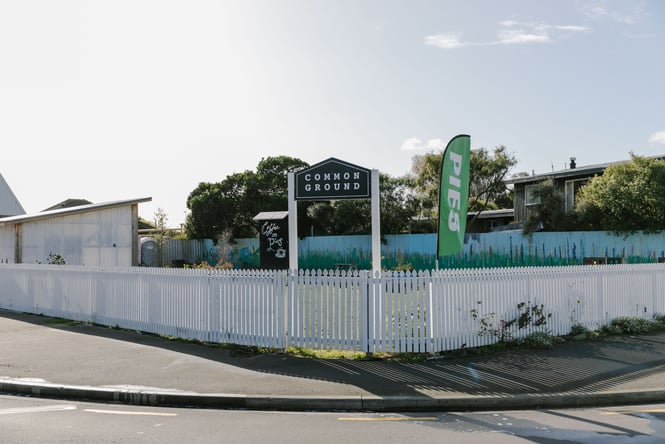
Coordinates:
x,y
634,326
528,315
577,330
539,340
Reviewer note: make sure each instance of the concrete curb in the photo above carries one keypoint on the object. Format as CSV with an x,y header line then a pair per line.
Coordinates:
x,y
369,403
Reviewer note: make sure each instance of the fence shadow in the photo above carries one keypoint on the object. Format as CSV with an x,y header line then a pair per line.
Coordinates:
x,y
580,367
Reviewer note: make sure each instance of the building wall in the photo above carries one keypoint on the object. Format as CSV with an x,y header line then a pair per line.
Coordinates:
x,y
95,238
7,244
519,202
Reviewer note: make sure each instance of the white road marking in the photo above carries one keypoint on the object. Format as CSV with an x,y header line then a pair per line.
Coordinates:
x,y
124,412
633,412
46,408
392,418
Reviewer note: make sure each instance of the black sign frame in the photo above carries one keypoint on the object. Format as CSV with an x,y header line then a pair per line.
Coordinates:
x,y
333,179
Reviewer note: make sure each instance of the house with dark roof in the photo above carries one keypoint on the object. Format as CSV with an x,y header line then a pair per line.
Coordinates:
x,y
68,203
489,220
567,181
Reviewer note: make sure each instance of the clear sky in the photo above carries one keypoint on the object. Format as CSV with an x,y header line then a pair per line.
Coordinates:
x,y
110,100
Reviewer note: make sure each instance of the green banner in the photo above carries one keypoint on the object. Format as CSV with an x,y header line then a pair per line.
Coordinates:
x,y
453,195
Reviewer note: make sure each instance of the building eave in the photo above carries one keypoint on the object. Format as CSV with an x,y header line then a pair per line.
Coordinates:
x,y
71,211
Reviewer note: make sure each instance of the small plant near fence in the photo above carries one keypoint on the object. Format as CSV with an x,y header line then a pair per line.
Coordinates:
x,y
56,259
634,326
528,316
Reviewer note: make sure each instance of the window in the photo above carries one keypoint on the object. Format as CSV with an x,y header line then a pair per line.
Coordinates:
x,y
571,189
530,195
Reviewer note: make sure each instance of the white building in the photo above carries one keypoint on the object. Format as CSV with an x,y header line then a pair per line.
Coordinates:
x,y
98,234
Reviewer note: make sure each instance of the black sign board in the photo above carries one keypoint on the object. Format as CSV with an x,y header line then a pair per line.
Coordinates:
x,y
273,240
332,179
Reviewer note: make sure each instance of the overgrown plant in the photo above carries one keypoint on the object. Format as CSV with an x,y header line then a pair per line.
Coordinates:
x,y
56,259
224,248
528,315
633,326
161,233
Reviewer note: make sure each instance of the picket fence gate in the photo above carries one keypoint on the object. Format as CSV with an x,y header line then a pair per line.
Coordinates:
x,y
419,312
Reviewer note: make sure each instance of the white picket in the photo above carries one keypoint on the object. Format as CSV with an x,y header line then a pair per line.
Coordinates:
x,y
322,309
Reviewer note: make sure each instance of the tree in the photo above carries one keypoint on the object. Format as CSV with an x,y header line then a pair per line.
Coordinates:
x,y
161,233
628,197
396,205
213,207
230,205
487,171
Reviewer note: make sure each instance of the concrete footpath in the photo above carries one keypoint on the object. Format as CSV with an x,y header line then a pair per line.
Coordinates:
x,y
40,356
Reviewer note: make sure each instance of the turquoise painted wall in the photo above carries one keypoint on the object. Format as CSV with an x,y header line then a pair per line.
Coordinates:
x,y
502,249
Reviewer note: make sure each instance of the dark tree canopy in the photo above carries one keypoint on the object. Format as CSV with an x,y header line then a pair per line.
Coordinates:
x,y
229,206
396,208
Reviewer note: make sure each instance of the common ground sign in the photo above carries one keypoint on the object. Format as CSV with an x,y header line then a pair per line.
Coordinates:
x,y
333,179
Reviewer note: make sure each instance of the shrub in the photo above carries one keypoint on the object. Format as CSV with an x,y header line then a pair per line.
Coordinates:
x,y
634,326
56,259
540,341
659,319
577,330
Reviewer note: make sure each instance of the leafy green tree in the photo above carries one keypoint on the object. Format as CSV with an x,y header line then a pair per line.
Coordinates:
x,y
426,169
213,207
320,216
230,205
626,198
396,204
487,171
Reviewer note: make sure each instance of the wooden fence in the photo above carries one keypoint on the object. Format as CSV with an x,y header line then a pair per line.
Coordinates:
x,y
394,312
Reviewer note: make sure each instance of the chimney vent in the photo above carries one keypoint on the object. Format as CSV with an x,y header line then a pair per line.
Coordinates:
x,y
572,163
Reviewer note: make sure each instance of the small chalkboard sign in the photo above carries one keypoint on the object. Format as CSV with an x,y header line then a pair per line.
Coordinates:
x,y
273,240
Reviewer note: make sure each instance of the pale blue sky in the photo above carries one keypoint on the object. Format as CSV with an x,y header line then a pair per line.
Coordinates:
x,y
108,100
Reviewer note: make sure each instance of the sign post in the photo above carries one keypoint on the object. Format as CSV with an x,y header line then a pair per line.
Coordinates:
x,y
376,224
293,226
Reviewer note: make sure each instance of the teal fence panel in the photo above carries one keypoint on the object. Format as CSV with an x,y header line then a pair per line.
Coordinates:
x,y
481,250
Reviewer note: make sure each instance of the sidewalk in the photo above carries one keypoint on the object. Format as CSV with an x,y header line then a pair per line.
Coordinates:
x,y
41,357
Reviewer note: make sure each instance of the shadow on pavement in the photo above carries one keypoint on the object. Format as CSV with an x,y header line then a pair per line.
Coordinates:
x,y
576,367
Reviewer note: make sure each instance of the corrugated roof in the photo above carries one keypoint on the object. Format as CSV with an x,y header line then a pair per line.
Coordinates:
x,y
9,204
71,210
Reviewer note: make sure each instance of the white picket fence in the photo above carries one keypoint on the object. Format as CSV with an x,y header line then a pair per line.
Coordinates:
x,y
395,312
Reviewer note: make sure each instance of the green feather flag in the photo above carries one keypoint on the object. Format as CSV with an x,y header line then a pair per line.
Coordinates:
x,y
453,195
